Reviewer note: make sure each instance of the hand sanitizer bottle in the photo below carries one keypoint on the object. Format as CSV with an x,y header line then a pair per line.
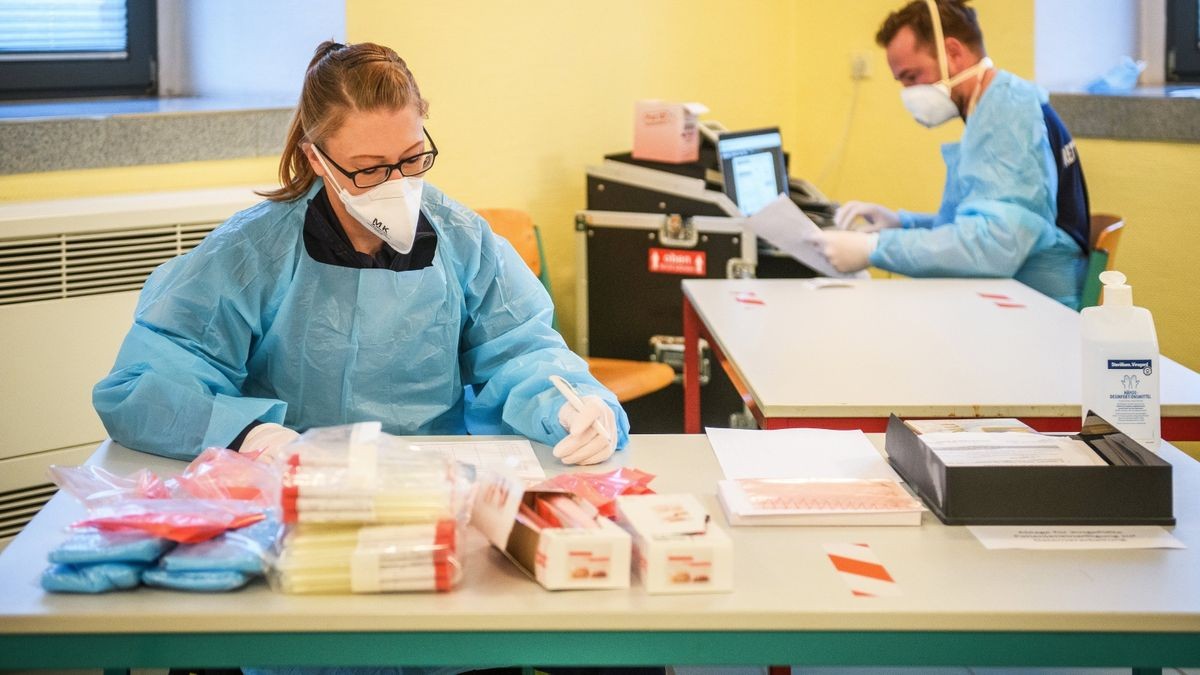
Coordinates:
x,y
1120,362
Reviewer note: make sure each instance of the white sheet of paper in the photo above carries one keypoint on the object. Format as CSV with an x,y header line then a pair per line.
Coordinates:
x,y
515,456
1009,448
1074,537
797,453
787,228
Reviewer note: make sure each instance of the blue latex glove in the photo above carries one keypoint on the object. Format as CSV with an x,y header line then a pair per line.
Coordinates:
x,y
1120,79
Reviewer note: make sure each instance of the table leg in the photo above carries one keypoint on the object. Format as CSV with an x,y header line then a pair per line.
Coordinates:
x,y
1181,428
691,369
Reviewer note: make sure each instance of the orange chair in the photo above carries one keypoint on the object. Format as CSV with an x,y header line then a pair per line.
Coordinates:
x,y
626,378
1105,235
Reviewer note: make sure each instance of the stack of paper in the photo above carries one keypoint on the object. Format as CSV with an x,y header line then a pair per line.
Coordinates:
x,y
998,442
797,501
808,477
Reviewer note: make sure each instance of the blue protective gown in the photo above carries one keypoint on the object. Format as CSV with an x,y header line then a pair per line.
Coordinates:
x,y
247,326
997,217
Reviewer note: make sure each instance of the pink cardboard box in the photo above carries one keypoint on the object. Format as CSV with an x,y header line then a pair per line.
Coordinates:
x,y
666,132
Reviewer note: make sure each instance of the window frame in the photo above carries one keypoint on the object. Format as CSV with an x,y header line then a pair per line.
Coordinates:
x,y
1183,41
134,75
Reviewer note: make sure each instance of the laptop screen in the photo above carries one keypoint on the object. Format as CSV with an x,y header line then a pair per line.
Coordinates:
x,y
752,167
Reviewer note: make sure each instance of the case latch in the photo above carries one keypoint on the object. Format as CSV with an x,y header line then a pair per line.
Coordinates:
x,y
668,349
678,232
740,268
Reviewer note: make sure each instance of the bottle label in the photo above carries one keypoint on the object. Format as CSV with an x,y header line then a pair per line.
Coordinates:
x,y
1144,365
1130,391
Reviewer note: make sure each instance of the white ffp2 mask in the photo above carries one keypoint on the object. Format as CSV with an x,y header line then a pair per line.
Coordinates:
x,y
389,210
930,104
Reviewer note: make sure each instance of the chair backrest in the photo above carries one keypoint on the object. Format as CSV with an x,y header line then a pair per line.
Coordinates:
x,y
1106,232
517,227
1105,235
626,379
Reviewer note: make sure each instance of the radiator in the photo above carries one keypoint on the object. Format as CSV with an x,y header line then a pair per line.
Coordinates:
x,y
70,272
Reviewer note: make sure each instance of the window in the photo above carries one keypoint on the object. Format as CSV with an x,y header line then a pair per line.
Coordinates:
x,y
1183,40
57,48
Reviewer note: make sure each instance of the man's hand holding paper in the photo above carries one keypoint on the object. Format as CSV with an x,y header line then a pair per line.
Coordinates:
x,y
785,226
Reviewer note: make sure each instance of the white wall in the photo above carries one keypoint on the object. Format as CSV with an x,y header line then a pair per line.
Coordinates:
x,y
1079,40
235,48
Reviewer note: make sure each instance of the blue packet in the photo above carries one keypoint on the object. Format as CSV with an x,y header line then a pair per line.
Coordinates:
x,y
245,550
94,546
95,578
204,581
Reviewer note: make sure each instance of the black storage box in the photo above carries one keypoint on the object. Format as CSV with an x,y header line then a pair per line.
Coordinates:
x,y
1132,488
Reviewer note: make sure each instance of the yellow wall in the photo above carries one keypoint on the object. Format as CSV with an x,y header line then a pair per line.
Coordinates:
x,y
525,94
856,139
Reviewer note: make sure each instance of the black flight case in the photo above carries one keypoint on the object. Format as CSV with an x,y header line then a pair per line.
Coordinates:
x,y
647,227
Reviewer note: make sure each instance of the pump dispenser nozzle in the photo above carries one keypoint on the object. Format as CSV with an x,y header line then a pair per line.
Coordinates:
x,y
1116,292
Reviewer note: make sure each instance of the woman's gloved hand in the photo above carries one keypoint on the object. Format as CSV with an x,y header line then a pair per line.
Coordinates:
x,y
847,251
267,440
865,217
584,443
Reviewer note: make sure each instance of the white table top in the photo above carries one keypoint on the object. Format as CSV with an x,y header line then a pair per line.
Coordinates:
x,y
913,347
783,580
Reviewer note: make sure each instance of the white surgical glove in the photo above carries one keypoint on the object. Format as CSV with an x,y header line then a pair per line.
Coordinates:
x,y
869,217
584,444
847,251
267,440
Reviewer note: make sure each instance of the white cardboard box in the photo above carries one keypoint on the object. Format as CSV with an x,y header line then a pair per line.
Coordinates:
x,y
666,132
558,558
576,558
677,548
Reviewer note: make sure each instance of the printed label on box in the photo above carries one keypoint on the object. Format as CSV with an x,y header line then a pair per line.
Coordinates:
x,y
689,569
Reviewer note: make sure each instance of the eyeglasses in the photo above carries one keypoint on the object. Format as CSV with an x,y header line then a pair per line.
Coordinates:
x,y
376,175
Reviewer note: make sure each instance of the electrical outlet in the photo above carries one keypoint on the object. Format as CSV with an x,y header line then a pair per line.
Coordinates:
x,y
860,66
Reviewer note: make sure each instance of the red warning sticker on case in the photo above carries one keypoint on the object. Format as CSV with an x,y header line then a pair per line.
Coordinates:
x,y
676,261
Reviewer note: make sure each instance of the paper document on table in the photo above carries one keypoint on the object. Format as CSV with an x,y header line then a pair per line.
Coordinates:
x,y
798,453
1067,537
799,501
786,227
1009,448
515,456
